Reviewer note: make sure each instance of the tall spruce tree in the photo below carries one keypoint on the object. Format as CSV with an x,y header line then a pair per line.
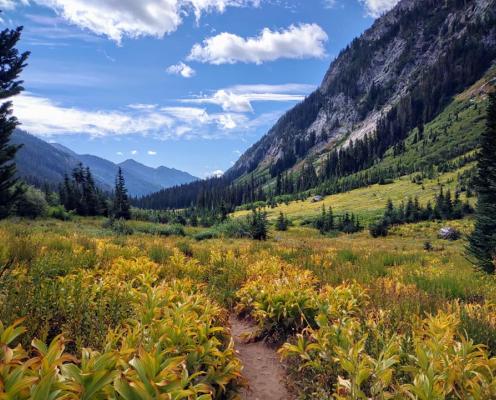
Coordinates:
x,y
482,242
90,194
122,207
11,65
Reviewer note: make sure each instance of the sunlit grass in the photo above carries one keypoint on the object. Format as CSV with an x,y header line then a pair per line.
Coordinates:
x,y
369,202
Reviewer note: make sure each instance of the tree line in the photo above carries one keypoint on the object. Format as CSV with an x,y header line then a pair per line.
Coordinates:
x,y
445,207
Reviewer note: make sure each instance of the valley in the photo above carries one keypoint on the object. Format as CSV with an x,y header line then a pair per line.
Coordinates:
x,y
349,253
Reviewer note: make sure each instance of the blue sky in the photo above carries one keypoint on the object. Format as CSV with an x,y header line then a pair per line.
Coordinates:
x,y
189,84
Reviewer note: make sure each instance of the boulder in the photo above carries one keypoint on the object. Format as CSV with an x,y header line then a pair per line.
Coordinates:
x,y
449,233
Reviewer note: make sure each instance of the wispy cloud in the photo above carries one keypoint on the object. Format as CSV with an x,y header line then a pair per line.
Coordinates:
x,y
330,3
43,117
240,98
40,78
57,33
296,42
152,153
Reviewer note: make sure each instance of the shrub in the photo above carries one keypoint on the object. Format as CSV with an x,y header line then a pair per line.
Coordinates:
x,y
379,229
119,226
185,248
59,212
174,347
32,203
170,230
160,229
159,253
233,228
279,297
206,235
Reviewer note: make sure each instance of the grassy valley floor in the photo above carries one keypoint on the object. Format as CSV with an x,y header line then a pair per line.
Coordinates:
x,y
368,203
119,294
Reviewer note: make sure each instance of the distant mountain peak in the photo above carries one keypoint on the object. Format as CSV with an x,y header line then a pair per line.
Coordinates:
x,y
129,161
40,162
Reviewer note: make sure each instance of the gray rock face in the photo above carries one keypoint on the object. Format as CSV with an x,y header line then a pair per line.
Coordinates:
x,y
389,57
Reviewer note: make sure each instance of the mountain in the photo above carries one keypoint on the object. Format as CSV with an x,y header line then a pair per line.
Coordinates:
x,y
40,162
162,177
409,63
373,104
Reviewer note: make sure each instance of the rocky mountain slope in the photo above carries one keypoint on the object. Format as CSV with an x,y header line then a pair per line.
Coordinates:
x,y
40,162
399,74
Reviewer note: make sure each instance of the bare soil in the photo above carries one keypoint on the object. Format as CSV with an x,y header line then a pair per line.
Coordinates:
x,y
262,367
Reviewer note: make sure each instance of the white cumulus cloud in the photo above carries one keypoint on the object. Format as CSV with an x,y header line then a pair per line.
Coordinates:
x,y
375,8
117,19
181,69
152,153
215,174
296,42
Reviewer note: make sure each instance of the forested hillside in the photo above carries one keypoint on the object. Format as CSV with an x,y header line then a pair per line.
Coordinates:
x,y
374,104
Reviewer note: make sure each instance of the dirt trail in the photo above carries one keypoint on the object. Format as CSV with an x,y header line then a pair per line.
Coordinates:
x,y
262,367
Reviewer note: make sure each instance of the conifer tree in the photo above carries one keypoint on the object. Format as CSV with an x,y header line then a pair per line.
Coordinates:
x,y
482,242
122,207
258,225
90,194
11,65
282,222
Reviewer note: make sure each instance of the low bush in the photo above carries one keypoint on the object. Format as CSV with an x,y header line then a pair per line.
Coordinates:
x,y
379,229
206,235
160,229
60,213
119,226
233,228
175,347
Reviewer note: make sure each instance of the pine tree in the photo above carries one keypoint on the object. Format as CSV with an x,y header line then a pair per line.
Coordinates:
x,y
90,194
258,225
11,65
122,207
482,242
282,222
78,177
390,214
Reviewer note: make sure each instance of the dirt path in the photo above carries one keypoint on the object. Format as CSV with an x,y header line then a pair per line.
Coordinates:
x,y
262,367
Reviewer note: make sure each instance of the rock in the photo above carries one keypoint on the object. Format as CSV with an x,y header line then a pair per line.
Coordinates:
x,y
449,233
